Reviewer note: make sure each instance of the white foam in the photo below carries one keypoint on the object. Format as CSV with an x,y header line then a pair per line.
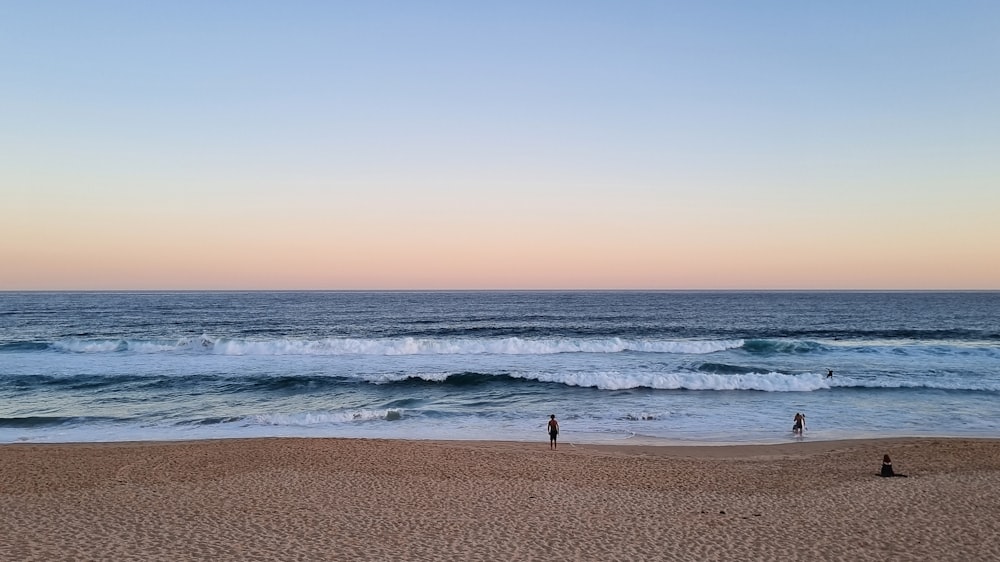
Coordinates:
x,y
89,346
613,380
385,378
77,345
399,346
465,346
322,418
942,384
764,382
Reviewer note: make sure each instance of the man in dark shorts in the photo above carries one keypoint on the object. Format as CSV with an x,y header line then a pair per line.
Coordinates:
x,y
553,431
800,423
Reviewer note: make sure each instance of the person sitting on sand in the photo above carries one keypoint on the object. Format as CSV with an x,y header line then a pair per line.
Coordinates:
x,y
799,423
553,431
887,470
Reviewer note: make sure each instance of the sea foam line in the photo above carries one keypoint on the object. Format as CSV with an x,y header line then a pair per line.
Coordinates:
x,y
397,346
764,382
767,382
316,418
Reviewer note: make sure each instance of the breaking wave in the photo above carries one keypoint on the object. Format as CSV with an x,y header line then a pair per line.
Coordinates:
x,y
707,377
319,418
394,346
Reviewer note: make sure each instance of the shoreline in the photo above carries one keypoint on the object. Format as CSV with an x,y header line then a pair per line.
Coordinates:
x,y
378,499
636,440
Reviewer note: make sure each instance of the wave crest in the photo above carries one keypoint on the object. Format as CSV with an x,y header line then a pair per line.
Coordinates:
x,y
396,346
767,382
782,346
322,418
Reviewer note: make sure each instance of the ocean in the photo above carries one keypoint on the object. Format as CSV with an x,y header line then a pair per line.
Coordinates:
x,y
615,366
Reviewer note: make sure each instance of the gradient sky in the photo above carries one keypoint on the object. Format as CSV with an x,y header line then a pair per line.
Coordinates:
x,y
529,145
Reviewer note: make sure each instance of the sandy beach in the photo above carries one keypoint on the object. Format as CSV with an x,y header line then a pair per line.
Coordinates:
x,y
354,499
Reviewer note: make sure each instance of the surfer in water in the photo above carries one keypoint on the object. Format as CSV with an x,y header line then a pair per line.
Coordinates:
x,y
553,431
799,423
829,373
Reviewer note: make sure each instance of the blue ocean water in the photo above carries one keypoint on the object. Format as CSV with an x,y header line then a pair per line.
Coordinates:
x,y
715,367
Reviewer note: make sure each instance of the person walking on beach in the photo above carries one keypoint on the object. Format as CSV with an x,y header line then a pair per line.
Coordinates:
x,y
553,431
799,423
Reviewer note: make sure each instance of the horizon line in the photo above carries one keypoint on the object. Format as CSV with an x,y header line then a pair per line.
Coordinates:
x,y
519,290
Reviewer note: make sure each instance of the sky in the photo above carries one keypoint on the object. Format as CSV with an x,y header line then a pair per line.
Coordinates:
x,y
499,145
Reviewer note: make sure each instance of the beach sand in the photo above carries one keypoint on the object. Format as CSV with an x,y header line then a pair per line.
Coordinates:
x,y
359,499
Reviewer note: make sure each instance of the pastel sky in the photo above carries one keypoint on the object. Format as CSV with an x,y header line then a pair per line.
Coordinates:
x,y
500,145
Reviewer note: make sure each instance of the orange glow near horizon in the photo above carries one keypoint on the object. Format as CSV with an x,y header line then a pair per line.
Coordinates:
x,y
459,255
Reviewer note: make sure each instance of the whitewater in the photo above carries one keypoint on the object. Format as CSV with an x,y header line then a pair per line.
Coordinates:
x,y
693,367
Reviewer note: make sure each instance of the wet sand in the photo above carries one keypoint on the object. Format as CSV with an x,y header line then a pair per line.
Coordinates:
x,y
359,499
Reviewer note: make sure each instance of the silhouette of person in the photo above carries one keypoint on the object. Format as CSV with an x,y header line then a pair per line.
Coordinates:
x,y
553,431
799,423
887,470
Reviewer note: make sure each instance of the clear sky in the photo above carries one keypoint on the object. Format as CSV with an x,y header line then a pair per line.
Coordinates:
x,y
495,145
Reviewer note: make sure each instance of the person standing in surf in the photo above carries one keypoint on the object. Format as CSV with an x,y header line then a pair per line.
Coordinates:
x,y
799,423
553,431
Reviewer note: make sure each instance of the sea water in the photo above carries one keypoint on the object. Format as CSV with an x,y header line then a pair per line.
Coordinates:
x,y
693,367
